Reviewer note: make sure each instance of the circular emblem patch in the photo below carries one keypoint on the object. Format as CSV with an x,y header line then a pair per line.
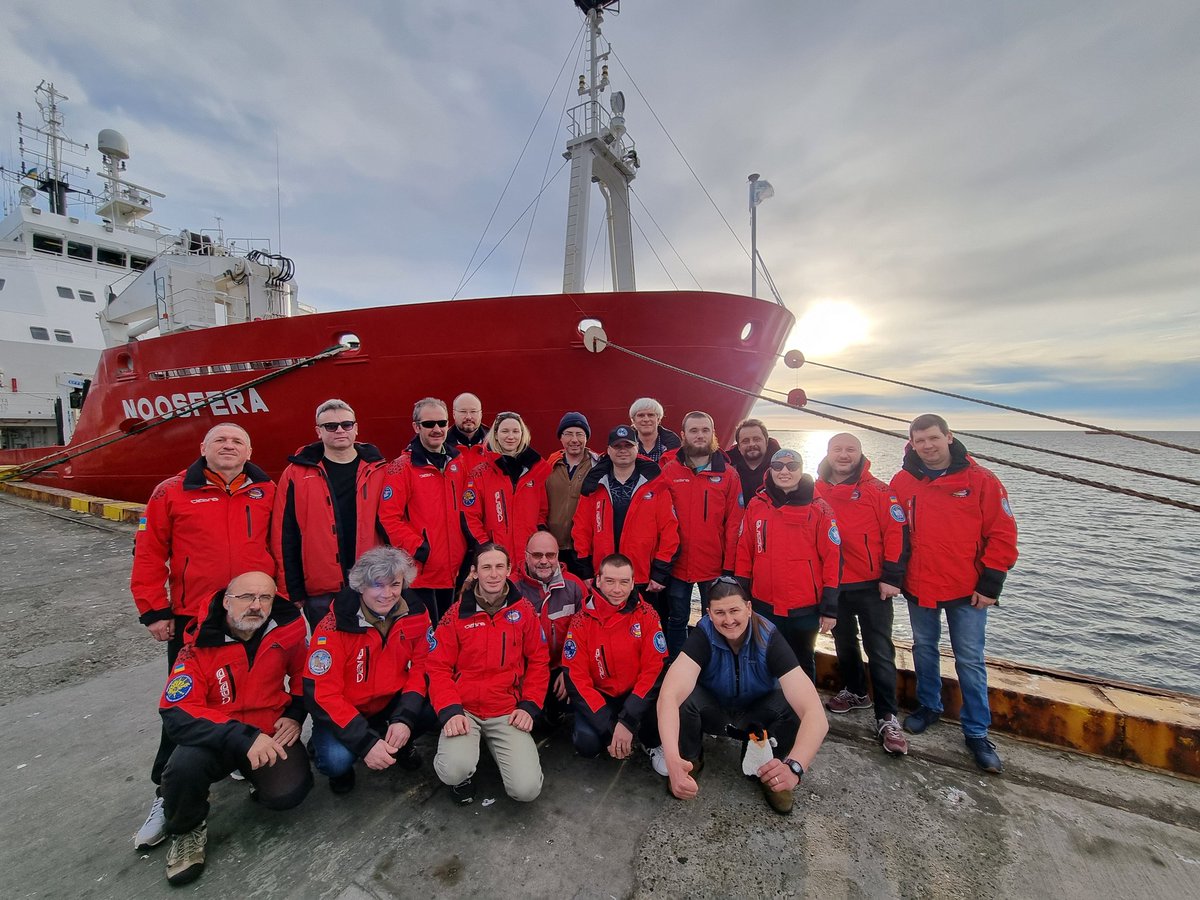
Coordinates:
x,y
570,649
513,615
660,642
387,492
468,497
855,495
179,687
255,493
833,535
319,662
897,512
636,629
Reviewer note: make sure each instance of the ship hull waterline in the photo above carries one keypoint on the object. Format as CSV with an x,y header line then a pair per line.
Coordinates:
x,y
520,353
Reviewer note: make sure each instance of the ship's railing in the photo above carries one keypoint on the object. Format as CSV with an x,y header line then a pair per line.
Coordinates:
x,y
591,119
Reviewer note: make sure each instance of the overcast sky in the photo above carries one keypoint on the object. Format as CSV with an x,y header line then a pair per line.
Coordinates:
x,y
997,198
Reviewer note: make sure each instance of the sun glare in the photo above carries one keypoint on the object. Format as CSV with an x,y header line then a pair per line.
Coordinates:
x,y
828,327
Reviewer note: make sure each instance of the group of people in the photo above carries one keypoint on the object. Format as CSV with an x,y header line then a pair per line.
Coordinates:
x,y
475,589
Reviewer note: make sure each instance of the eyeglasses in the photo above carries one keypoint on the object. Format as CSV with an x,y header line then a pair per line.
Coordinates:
x,y
780,466
434,423
263,599
549,554
331,427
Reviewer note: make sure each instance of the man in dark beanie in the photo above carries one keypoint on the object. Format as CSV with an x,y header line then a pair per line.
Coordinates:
x,y
568,468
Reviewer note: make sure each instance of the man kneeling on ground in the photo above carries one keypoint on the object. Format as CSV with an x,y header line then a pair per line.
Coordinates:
x,y
614,654
226,709
736,675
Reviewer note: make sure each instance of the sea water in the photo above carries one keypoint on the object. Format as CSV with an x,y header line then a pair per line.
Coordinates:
x,y
1106,585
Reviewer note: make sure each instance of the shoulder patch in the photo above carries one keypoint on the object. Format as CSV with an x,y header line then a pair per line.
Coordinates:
x,y
319,662
468,497
660,642
513,615
833,534
387,492
178,688
570,648
431,638
897,511
1004,505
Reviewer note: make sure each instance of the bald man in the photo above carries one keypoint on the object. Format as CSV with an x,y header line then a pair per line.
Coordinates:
x,y
871,523
202,528
467,434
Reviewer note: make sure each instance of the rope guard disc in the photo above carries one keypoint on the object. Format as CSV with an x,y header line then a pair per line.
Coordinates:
x,y
594,338
796,396
793,359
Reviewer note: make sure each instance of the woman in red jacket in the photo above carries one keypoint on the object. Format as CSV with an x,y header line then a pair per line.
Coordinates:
x,y
505,496
489,669
789,554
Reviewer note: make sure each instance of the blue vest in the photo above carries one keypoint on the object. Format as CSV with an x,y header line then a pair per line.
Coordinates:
x,y
737,681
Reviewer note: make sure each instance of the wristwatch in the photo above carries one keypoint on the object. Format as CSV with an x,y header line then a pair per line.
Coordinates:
x,y
797,769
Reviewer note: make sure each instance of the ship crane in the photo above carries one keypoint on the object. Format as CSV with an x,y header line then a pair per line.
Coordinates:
x,y
600,152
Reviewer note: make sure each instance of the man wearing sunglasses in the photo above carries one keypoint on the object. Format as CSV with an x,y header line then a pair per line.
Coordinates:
x,y
326,510
421,507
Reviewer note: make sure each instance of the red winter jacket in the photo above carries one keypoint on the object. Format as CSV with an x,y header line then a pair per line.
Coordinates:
x,y
961,528
488,665
650,535
222,692
708,506
199,537
871,524
555,603
789,549
611,652
304,538
354,674
421,512
496,511
471,451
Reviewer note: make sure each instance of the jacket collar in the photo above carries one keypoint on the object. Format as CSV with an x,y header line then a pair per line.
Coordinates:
x,y
194,478
456,438
825,471
313,454
467,606
349,617
419,455
644,469
599,608
213,633
801,496
717,463
735,455
959,460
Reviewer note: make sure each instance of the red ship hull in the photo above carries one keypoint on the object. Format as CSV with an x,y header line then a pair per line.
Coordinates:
x,y
520,353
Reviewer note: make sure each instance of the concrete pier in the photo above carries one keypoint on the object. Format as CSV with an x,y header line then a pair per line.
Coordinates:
x,y
79,680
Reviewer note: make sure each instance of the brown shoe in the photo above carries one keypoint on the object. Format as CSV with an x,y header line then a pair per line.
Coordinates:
x,y
891,737
780,801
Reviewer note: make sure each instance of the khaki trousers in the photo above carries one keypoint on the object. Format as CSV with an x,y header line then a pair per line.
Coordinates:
x,y
514,750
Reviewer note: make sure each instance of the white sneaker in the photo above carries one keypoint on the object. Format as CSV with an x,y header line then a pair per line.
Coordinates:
x,y
658,760
154,831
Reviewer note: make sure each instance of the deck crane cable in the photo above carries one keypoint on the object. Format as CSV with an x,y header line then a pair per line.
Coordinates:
x,y
995,440
711,201
1049,473
464,278
546,169
36,466
1028,412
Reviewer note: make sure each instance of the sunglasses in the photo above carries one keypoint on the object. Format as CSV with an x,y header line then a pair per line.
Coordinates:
x,y
331,427
780,466
434,423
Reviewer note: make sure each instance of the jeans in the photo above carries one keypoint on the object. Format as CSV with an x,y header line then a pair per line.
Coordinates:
x,y
968,630
333,758
864,608
590,743
674,607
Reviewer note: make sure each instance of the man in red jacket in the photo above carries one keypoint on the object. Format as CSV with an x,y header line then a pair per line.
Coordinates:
x,y
871,523
326,510
964,541
202,528
625,507
421,509
467,434
614,654
707,494
226,708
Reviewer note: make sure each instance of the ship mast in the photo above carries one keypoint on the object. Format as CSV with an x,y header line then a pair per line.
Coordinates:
x,y
52,179
600,151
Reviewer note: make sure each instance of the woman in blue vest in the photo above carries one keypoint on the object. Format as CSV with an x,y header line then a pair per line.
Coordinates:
x,y
737,675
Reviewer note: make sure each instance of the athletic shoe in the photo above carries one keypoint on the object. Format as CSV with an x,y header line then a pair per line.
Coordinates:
x,y
154,830
344,783
922,717
408,757
890,735
780,801
986,756
463,792
658,760
185,857
846,700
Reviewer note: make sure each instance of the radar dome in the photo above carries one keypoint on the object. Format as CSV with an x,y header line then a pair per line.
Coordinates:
x,y
112,143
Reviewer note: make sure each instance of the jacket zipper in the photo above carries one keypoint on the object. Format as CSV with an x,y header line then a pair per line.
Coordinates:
x,y
503,647
604,662
737,673
912,515
706,506
867,547
249,523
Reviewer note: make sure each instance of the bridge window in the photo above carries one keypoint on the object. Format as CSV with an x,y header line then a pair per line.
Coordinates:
x,y
138,263
63,337
87,296
109,257
47,243
1,284
77,250
66,293
38,333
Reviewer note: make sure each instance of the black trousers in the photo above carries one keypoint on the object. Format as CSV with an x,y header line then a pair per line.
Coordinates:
x,y
191,770
165,744
436,600
590,743
702,713
863,608
800,632
316,608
